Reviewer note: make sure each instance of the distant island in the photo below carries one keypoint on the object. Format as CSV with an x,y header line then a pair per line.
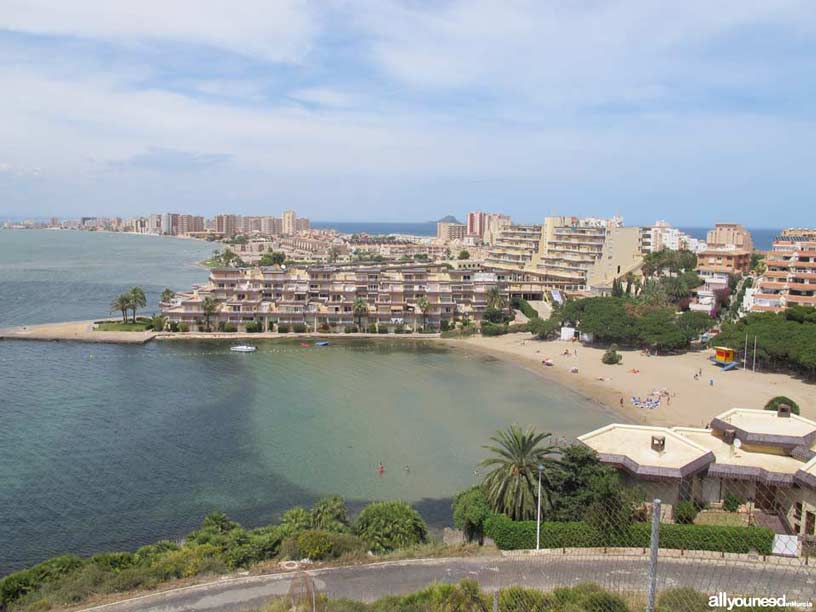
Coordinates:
x,y
448,219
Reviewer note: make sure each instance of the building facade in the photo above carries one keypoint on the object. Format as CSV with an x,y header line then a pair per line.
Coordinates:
x,y
790,273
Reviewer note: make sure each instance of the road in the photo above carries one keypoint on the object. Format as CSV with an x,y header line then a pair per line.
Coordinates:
x,y
369,582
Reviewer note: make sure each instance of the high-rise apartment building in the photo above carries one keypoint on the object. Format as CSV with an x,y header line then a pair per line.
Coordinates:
x,y
728,251
447,232
271,226
790,274
228,225
289,223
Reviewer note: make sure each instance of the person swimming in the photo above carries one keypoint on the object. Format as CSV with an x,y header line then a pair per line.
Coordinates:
x,y
380,469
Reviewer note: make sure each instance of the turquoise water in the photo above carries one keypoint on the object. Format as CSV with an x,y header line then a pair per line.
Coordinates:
x,y
107,447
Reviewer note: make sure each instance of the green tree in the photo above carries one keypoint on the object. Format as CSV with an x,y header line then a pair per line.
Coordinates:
x,y
360,309
137,300
297,519
573,492
157,322
657,328
511,484
463,254
470,509
167,295
543,328
692,323
495,299
388,526
122,303
775,402
424,306
330,514
613,507
209,306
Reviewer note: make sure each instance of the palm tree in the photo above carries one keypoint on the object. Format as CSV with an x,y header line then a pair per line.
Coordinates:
x,y
424,306
495,299
137,300
122,303
167,295
158,322
360,309
511,485
209,306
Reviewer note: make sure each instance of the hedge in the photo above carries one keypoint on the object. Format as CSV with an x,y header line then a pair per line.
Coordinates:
x,y
527,310
513,535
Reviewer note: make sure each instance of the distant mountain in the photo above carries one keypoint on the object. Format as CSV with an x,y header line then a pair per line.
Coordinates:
x,y
449,219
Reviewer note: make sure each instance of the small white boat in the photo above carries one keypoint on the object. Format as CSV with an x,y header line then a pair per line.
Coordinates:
x,y
243,348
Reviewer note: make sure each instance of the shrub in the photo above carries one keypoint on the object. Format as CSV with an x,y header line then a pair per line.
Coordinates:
x,y
148,553
543,328
229,328
372,328
731,502
514,535
399,330
470,509
444,325
382,329
387,526
520,599
299,328
16,585
114,561
774,403
492,329
297,519
324,328
318,545
283,328
611,356
254,327
330,514
173,326
682,599
526,309
685,512
350,329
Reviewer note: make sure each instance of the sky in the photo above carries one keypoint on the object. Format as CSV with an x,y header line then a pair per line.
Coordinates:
x,y
350,110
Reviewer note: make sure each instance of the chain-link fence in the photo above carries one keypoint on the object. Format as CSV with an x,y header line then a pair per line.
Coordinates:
x,y
709,542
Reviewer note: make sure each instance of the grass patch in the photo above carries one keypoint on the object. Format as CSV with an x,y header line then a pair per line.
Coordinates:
x,y
119,326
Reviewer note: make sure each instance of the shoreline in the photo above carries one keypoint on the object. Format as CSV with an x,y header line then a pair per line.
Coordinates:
x,y
689,399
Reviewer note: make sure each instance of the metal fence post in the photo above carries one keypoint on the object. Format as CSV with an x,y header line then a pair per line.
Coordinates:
x,y
653,548
495,601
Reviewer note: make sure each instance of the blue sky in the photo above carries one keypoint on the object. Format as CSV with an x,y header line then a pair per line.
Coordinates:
x,y
694,112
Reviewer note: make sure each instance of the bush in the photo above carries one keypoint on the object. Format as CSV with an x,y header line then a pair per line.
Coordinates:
x,y
492,329
731,502
611,356
299,328
173,326
543,328
283,328
114,561
319,545
382,329
330,514
682,599
297,519
517,328
444,325
774,403
399,330
372,328
16,585
229,328
685,512
470,509
514,535
254,327
387,526
350,329
527,310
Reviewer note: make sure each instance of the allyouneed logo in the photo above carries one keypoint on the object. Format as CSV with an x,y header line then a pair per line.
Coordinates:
x,y
722,600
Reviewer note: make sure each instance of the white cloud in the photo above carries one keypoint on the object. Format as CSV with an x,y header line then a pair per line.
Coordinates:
x,y
324,96
280,30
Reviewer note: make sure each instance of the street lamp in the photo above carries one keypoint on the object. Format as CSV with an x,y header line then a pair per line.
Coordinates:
x,y
538,510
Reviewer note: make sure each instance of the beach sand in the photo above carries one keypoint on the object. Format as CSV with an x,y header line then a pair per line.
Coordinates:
x,y
77,331
691,403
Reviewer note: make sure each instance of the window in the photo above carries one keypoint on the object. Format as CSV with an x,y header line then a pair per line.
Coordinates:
x,y
797,511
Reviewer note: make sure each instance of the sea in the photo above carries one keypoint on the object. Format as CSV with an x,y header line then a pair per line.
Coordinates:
x,y
109,447
762,237
415,229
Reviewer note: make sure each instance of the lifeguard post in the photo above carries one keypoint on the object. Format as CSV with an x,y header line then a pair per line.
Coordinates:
x,y
725,357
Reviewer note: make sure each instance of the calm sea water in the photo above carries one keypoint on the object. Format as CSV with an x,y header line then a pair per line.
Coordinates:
x,y
107,447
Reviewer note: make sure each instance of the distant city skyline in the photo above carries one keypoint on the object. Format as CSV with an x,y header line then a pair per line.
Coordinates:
x,y
405,112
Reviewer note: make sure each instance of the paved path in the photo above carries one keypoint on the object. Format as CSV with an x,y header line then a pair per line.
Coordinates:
x,y
369,582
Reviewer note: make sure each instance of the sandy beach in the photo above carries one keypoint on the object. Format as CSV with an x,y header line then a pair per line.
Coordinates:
x,y
75,331
690,402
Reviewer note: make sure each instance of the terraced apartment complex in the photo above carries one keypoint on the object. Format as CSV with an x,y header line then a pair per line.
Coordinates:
x,y
790,275
319,295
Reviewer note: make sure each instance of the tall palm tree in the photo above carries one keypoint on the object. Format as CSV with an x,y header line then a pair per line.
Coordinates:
x,y
424,306
209,306
495,299
122,303
137,300
167,295
360,309
512,483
